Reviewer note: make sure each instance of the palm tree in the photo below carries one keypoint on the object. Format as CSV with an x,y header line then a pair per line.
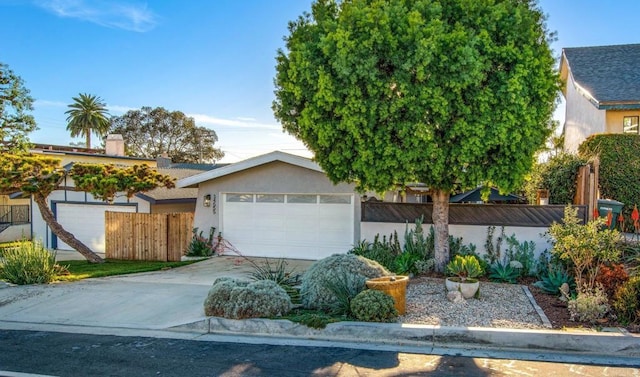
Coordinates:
x,y
87,114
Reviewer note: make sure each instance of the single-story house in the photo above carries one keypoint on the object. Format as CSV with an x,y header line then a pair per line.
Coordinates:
x,y
277,205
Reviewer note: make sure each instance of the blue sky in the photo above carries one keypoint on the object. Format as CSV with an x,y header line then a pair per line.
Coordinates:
x,y
213,60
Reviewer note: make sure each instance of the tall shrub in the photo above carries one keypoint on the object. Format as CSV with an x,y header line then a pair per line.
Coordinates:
x,y
558,175
619,168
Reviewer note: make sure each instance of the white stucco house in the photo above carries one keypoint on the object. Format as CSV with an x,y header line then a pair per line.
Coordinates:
x,y
602,91
277,205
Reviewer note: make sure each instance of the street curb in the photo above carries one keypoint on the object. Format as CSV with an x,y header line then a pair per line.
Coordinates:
x,y
613,342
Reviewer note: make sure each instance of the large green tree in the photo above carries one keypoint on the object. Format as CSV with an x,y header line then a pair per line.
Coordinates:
x,y
153,132
39,176
15,102
86,115
450,93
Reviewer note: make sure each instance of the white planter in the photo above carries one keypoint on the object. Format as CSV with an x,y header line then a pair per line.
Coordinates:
x,y
468,288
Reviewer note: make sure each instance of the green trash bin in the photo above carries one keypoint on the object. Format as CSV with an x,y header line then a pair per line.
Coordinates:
x,y
608,205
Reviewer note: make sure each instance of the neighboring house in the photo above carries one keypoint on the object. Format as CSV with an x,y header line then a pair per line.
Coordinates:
x,y
83,215
277,205
601,90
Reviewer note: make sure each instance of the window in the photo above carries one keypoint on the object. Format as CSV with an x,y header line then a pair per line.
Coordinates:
x,y
630,125
302,198
335,199
240,198
270,198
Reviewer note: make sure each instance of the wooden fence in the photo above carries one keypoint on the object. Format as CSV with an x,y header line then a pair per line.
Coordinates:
x,y
147,236
520,215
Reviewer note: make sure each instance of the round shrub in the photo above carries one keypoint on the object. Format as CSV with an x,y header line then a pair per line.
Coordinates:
x,y
263,298
626,302
218,302
352,269
373,306
238,299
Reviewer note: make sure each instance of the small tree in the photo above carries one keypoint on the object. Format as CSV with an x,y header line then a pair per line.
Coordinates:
x,y
451,94
39,176
15,102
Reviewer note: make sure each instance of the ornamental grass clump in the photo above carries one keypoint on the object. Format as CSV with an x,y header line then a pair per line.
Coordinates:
x,y
373,306
28,263
316,291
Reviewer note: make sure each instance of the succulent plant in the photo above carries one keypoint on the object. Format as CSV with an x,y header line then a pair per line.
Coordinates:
x,y
373,306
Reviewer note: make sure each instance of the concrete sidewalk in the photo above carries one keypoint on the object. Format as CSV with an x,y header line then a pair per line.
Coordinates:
x,y
173,300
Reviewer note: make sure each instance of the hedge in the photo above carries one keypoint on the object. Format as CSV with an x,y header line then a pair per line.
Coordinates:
x,y
619,168
558,175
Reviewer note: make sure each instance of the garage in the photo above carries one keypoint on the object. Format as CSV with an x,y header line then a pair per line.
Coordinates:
x,y
86,222
299,226
277,205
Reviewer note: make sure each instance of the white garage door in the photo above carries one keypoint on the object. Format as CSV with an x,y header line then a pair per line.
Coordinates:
x,y
299,226
86,223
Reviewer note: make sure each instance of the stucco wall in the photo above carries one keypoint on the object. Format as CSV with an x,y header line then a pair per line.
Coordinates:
x,y
582,118
16,233
275,177
173,208
474,234
615,118
40,230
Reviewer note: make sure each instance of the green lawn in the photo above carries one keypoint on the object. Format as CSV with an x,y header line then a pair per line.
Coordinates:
x,y
79,269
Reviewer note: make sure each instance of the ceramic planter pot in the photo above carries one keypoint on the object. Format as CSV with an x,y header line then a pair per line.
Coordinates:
x,y
468,288
394,286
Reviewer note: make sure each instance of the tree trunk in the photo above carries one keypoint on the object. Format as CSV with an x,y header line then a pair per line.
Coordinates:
x,y
59,231
440,218
88,140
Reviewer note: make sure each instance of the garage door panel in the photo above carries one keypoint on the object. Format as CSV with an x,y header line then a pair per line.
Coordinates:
x,y
310,230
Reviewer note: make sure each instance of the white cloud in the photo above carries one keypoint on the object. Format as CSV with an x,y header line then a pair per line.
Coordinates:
x,y
47,103
113,14
119,109
238,122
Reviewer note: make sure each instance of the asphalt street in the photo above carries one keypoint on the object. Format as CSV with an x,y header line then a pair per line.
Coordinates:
x,y
66,354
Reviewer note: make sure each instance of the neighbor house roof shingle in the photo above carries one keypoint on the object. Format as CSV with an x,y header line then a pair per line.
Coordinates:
x,y
163,194
610,74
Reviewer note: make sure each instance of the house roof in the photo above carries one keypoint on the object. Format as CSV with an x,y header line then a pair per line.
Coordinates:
x,y
61,150
193,181
174,195
475,195
609,76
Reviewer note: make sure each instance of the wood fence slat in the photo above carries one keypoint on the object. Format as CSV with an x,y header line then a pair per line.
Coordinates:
x,y
147,236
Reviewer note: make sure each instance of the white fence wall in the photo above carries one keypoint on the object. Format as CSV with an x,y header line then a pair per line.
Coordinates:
x,y
475,234
16,233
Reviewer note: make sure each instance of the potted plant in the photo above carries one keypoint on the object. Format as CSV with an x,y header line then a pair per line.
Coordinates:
x,y
463,271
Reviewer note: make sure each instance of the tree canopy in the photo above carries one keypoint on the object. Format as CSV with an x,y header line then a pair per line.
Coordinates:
x,y
86,115
39,176
452,94
153,132
15,103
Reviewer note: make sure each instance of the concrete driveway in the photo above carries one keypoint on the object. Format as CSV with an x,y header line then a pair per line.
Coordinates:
x,y
152,300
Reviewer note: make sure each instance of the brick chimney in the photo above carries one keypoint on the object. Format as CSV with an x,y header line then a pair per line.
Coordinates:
x,y
114,146
163,161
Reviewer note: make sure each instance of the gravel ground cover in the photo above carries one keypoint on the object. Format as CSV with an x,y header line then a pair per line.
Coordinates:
x,y
499,305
